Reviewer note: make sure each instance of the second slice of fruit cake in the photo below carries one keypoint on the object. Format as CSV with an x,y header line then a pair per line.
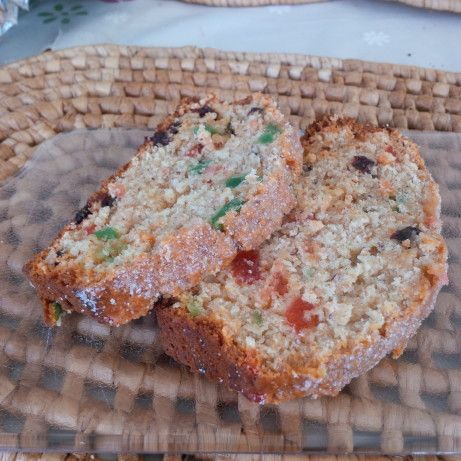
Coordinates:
x,y
347,279
214,178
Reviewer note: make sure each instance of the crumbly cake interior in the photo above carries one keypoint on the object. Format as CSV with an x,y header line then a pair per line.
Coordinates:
x,y
362,248
207,162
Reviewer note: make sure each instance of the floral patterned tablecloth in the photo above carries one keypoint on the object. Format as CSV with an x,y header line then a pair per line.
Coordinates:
x,y
363,29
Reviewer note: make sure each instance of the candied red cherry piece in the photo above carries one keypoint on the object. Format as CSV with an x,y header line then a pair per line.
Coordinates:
x,y
245,267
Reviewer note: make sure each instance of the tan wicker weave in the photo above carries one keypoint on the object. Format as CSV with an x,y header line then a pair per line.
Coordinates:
x,y
445,5
230,457
110,86
128,86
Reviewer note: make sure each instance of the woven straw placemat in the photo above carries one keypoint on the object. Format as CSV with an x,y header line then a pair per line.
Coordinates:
x,y
444,5
111,86
227,457
107,86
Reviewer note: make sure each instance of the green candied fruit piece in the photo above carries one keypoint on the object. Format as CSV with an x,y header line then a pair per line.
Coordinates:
x,y
108,233
235,204
269,134
57,312
308,273
257,318
199,167
211,129
194,308
235,181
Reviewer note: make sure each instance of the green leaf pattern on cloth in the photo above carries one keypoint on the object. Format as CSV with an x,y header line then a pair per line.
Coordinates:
x,y
62,12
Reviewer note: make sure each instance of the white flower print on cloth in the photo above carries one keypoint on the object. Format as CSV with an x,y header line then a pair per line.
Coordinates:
x,y
374,38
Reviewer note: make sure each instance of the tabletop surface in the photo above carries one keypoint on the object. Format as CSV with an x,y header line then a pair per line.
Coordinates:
x,y
373,30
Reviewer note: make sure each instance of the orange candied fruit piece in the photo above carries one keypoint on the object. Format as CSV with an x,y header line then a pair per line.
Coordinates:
x,y
295,315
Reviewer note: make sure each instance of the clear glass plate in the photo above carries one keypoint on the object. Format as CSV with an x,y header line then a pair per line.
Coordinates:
x,y
88,387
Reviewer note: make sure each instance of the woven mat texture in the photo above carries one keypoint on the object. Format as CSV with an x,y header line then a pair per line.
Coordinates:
x,y
444,5
95,387
107,86
118,381
223,457
240,457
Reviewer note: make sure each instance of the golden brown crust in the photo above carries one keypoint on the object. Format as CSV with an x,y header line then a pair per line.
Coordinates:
x,y
179,261
130,293
200,344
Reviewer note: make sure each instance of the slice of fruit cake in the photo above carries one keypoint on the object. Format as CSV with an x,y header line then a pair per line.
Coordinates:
x,y
348,278
214,178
